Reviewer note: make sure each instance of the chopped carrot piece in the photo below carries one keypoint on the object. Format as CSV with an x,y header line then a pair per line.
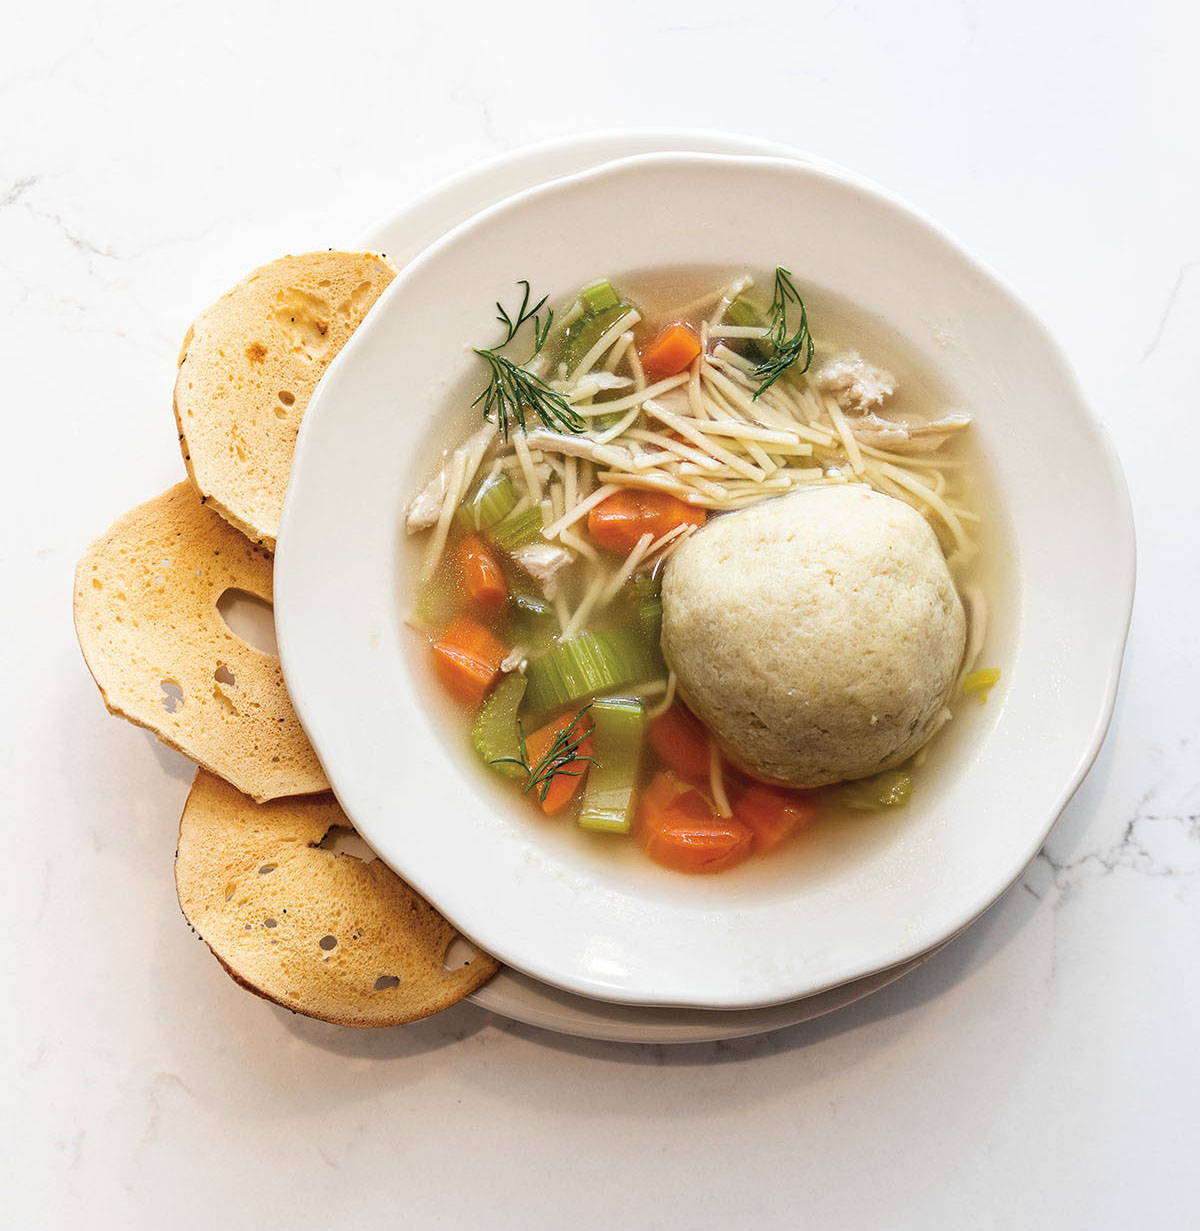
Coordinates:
x,y
773,813
468,657
482,577
681,742
570,776
672,351
618,521
679,829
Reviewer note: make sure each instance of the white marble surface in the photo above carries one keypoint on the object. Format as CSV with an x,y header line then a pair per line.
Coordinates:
x,y
1042,1071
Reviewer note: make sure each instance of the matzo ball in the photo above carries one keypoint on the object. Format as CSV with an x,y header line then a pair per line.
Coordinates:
x,y
818,634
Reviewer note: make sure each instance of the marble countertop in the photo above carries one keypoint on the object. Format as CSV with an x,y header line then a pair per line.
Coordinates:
x,y
1040,1071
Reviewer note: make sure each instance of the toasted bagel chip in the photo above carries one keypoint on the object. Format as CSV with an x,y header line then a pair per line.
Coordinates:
x,y
146,594
248,368
325,934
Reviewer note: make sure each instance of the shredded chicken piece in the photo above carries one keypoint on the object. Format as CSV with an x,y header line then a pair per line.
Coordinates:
x,y
902,436
595,382
676,401
446,489
426,506
855,384
577,446
543,562
515,659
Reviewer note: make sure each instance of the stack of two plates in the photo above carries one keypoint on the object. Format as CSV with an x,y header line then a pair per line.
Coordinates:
x,y
600,951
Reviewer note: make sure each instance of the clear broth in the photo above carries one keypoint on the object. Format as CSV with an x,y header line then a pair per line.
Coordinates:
x,y
839,837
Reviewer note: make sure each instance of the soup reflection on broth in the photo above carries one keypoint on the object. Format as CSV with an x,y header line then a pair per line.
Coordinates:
x,y
699,567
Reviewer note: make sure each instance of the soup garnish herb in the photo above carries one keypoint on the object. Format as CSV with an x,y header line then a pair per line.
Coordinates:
x,y
786,349
560,750
512,387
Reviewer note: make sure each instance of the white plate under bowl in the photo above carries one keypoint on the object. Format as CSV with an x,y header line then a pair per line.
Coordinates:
x,y
539,1004
631,932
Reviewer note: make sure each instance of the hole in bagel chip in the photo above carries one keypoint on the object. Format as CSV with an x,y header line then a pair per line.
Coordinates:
x,y
342,841
152,646
251,620
460,953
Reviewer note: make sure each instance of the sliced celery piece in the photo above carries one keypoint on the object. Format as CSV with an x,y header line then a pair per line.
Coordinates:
x,y
981,682
492,500
640,606
585,665
743,313
619,725
891,789
518,529
601,307
585,331
599,296
494,732
435,604
533,623
636,591
650,619
601,423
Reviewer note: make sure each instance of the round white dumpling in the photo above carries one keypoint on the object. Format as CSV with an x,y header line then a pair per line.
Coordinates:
x,y
818,635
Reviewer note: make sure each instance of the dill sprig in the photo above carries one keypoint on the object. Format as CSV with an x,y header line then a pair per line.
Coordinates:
x,y
789,348
559,758
512,388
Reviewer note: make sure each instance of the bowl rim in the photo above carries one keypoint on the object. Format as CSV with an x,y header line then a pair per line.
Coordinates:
x,y
289,605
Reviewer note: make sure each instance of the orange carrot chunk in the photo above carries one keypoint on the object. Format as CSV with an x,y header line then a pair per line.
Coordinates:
x,y
773,813
672,351
467,657
681,742
679,829
567,781
482,578
617,522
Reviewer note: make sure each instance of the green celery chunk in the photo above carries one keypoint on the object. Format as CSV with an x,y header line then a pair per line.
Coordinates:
x,y
744,314
494,732
645,585
891,789
585,665
650,619
533,623
619,725
599,296
640,606
492,500
585,331
981,682
435,604
601,423
602,307
518,529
